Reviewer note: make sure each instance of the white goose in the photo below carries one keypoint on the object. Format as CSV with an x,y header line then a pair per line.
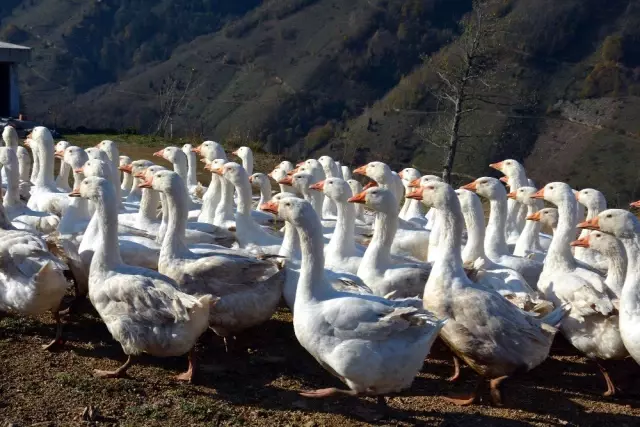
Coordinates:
x,y
211,150
10,138
331,170
278,175
192,169
373,345
594,202
134,197
412,210
143,309
16,210
248,289
45,196
592,324
377,269
262,183
32,281
384,176
127,179
516,212
510,341
505,281
246,155
62,180
625,226
495,242
528,243
110,148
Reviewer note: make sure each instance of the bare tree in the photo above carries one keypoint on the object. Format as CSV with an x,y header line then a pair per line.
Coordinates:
x,y
463,71
174,97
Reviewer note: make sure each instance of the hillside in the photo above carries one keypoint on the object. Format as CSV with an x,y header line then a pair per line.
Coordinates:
x,y
559,86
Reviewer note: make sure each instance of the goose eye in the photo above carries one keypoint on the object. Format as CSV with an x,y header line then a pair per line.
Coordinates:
x,y
431,187
551,188
609,216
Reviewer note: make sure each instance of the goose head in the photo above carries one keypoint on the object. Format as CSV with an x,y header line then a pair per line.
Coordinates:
x,y
487,187
378,171
327,163
286,166
297,212
163,180
146,174
215,166
377,198
10,136
280,196
136,167
109,147
61,146
510,167
408,175
603,243
187,149
591,199
620,223
524,195
95,168
435,194
277,174
258,180
336,189
547,217
469,201
233,172
96,153
243,152
75,157
210,150
172,154
124,160
424,181
556,193
301,181
92,188
41,134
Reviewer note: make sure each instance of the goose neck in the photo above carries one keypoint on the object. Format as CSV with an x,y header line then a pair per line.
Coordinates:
x,y
63,177
495,242
529,239
127,181
12,192
191,168
149,205
617,269
176,201
290,247
474,249
265,192
559,255
343,241
311,283
107,254
378,253
243,187
45,165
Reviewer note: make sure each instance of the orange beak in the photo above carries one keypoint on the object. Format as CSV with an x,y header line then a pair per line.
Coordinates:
x,y
539,194
582,243
270,174
217,171
504,179
75,193
159,153
299,164
635,204
270,207
496,166
235,153
358,198
593,224
415,183
79,170
369,185
197,150
578,199
415,194
27,143
59,154
140,175
362,170
400,174
126,168
534,217
472,186
97,145
146,183
512,195
287,180
251,179
317,186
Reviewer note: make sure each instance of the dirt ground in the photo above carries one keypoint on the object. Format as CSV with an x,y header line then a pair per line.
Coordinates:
x,y
258,385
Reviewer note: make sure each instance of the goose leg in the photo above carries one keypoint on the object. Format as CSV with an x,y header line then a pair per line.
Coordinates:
x,y
327,392
456,370
494,388
58,340
188,376
466,400
611,389
118,373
